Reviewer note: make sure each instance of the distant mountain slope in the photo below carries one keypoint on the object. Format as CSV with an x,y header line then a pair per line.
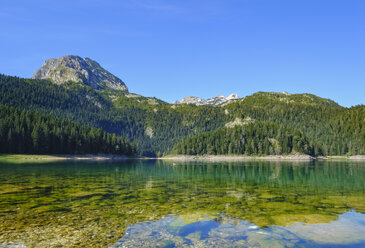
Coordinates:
x,y
219,100
331,128
253,138
153,125
76,69
35,133
264,98
156,126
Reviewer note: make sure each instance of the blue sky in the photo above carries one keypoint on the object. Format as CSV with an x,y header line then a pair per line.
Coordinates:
x,y
176,48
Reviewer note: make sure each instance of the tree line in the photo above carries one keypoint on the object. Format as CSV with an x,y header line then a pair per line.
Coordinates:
x,y
124,116
257,138
30,132
329,128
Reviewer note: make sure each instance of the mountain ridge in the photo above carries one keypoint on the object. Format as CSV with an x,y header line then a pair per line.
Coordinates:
x,y
219,100
156,126
74,68
330,128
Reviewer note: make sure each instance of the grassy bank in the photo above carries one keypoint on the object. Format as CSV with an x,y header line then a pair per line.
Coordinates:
x,y
30,158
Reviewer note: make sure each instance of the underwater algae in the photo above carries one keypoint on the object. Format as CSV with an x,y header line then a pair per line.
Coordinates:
x,y
93,204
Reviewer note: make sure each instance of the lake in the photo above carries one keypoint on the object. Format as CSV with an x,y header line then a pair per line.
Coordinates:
x,y
148,203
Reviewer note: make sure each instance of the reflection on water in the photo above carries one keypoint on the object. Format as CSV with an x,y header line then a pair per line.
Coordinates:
x,y
93,204
224,231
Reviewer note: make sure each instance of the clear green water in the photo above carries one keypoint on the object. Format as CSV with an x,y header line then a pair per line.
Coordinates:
x,y
161,204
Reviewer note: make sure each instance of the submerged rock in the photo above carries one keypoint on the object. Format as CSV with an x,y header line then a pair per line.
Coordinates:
x,y
224,231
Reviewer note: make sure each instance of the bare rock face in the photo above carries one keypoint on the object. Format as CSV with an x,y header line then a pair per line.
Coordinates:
x,y
219,100
76,69
193,100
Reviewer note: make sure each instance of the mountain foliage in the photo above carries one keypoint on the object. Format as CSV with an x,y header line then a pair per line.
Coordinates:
x,y
255,138
155,127
34,133
130,116
331,129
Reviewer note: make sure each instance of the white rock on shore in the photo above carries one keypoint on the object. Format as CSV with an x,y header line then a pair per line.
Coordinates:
x,y
357,157
215,158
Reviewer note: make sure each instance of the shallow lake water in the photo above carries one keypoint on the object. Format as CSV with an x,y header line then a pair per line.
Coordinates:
x,y
147,203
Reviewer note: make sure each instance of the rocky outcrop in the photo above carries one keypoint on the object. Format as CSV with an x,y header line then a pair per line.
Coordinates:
x,y
192,100
239,122
76,69
219,100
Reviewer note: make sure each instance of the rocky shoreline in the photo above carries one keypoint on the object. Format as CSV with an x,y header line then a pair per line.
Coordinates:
x,y
357,157
218,158
188,158
97,157
298,157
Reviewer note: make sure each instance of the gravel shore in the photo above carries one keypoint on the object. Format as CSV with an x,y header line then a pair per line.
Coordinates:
x,y
217,158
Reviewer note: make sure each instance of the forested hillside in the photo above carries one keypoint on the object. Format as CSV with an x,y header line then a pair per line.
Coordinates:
x,y
331,129
153,125
34,133
156,126
255,138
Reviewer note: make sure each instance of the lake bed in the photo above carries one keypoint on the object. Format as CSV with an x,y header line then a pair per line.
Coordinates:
x,y
154,203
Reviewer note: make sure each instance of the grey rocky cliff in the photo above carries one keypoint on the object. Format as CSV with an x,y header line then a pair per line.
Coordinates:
x,y
192,100
219,100
76,69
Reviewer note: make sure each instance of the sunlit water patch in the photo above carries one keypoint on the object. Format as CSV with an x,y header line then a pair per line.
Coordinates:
x,y
224,231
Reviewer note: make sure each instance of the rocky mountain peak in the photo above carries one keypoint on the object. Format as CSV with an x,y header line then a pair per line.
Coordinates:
x,y
77,69
219,100
233,96
192,100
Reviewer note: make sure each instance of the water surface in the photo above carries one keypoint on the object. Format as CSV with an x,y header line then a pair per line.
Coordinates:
x,y
162,204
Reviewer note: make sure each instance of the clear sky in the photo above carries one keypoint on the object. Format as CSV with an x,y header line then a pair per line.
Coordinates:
x,y
176,48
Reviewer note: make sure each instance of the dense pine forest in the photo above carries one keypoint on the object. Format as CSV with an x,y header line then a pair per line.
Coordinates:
x,y
33,133
324,127
250,139
330,128
114,112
